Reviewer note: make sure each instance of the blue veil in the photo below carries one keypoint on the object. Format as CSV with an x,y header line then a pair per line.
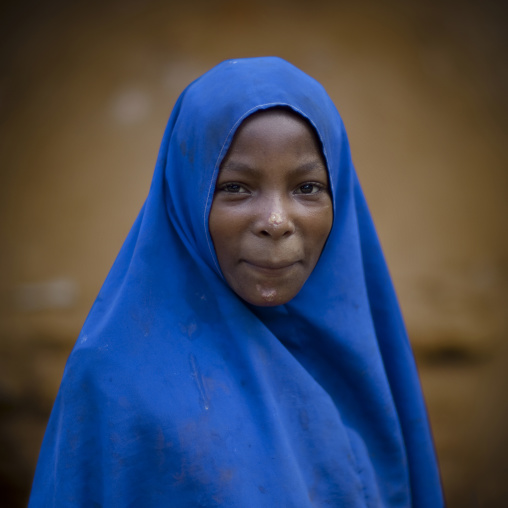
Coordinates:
x,y
178,393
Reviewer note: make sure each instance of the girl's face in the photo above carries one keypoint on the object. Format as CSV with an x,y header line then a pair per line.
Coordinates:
x,y
272,211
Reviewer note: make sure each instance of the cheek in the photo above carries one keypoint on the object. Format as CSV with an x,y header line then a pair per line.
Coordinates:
x,y
319,227
216,228
225,231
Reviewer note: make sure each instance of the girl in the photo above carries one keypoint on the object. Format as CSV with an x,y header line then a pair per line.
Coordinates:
x,y
246,349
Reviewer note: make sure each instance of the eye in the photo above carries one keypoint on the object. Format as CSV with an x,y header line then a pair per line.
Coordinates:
x,y
233,188
309,188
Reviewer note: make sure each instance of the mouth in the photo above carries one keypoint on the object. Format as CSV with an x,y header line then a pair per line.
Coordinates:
x,y
273,269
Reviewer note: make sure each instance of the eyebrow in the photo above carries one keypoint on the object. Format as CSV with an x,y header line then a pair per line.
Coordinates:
x,y
304,168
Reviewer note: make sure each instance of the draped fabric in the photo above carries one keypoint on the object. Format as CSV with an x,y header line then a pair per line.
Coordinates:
x,y
178,393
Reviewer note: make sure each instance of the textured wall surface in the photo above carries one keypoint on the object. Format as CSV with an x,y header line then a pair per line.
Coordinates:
x,y
85,91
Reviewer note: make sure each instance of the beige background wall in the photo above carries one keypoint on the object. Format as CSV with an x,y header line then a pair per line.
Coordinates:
x,y
85,91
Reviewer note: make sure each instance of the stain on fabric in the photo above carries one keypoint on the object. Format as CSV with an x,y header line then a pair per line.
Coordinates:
x,y
200,382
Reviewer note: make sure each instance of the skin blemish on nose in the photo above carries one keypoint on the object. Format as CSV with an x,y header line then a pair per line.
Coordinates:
x,y
275,219
267,294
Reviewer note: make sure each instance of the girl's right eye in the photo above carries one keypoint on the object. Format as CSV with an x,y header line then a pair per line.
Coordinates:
x,y
233,188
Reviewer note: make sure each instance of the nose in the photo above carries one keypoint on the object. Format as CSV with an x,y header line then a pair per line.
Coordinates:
x,y
276,222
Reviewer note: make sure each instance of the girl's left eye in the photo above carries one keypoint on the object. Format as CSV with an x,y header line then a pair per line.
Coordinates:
x,y
308,188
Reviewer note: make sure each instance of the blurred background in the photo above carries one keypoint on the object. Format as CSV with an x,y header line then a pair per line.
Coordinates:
x,y
86,88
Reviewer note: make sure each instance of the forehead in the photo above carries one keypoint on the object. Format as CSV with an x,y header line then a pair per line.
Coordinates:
x,y
278,131
276,120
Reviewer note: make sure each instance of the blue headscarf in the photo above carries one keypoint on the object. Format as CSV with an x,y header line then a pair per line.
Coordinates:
x,y
178,393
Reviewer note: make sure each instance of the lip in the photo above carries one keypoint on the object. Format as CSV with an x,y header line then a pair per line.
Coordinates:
x,y
270,268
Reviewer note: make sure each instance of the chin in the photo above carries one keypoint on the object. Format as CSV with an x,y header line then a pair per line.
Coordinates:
x,y
265,303
267,296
